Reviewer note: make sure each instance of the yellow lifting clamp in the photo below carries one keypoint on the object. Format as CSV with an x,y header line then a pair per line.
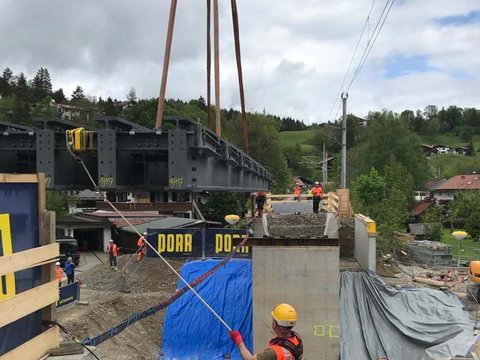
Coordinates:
x,y
79,140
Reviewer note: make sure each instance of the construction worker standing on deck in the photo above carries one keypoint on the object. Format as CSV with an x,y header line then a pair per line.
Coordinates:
x,y
297,192
317,194
112,251
287,345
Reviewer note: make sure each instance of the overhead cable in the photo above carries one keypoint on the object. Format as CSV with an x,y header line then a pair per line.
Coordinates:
x,y
370,44
337,96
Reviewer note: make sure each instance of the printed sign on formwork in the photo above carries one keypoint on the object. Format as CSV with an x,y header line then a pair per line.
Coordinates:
x,y
69,294
220,242
175,242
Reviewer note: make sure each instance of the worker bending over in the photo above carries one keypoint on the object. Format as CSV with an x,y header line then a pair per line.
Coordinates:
x,y
287,345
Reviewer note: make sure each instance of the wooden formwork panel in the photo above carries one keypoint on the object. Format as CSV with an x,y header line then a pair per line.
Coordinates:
x,y
24,204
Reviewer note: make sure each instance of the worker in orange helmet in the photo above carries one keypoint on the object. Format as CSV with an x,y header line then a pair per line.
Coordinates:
x,y
317,193
141,247
287,345
297,192
58,273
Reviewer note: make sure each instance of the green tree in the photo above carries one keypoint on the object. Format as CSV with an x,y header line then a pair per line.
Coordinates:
x,y
221,204
368,192
143,112
41,84
55,201
132,95
59,96
265,146
450,118
44,108
21,88
388,138
295,161
77,94
108,107
464,205
6,82
433,217
472,225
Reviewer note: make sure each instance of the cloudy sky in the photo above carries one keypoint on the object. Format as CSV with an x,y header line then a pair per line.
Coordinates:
x,y
295,53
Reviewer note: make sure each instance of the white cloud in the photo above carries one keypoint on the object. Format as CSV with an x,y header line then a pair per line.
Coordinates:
x,y
295,54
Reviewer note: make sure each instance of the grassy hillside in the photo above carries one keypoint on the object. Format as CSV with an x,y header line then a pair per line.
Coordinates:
x,y
304,138
446,166
441,166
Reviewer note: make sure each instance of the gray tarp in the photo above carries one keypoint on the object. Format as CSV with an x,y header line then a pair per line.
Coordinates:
x,y
376,320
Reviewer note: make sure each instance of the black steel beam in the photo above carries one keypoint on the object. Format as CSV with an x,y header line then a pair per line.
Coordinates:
x,y
128,156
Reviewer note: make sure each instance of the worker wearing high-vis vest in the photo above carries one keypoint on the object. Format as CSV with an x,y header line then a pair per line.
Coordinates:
x,y
317,194
287,345
58,273
112,251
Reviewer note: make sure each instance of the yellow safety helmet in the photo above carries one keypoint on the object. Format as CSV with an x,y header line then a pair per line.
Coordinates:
x,y
285,315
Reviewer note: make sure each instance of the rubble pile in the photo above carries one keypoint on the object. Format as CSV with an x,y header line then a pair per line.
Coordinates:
x,y
296,225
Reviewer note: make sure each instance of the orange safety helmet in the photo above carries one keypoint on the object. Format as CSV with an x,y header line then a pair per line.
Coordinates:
x,y
285,315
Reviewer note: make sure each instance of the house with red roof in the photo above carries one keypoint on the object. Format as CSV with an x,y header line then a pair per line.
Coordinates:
x,y
445,191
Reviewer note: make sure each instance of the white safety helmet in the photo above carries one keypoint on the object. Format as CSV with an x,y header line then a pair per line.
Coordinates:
x,y
57,263
317,183
111,240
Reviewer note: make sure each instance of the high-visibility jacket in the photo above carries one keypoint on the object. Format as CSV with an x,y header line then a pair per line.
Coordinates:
x,y
287,348
317,191
297,191
58,274
112,249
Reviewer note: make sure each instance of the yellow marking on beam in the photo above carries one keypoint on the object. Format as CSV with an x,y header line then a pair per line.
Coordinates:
x,y
318,333
6,244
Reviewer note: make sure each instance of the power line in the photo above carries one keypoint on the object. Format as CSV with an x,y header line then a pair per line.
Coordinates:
x,y
367,20
374,36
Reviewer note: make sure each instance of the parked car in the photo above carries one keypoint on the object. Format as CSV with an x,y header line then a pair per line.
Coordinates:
x,y
68,247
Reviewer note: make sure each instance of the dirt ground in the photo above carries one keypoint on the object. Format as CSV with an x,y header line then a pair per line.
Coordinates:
x,y
113,296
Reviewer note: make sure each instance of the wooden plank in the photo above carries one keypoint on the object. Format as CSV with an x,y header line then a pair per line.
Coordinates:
x,y
48,270
41,192
27,302
26,259
36,347
18,178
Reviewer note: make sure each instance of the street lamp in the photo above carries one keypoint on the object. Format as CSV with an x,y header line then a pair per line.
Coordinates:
x,y
232,219
459,235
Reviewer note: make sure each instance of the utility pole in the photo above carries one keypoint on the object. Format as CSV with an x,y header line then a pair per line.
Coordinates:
x,y
343,177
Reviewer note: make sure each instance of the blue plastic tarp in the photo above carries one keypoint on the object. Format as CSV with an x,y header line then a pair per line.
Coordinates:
x,y
191,331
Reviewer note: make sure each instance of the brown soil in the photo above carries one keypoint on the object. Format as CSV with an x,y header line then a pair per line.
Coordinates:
x,y
147,284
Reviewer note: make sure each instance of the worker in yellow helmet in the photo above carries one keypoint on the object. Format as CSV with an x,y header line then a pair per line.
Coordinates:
x,y
287,345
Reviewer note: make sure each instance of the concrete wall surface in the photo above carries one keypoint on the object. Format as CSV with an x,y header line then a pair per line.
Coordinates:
x,y
308,279
365,242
